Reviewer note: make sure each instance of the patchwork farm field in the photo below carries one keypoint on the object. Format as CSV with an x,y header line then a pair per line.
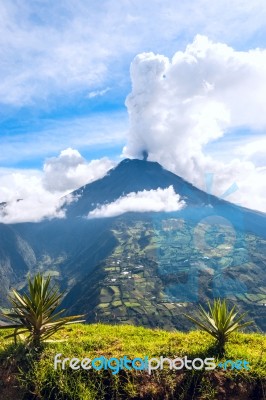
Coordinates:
x,y
163,268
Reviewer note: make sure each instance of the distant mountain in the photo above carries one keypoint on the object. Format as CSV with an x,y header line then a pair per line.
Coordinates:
x,y
144,268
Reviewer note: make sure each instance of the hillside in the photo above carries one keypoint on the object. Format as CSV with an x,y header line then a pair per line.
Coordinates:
x,y
155,273
16,259
143,268
44,382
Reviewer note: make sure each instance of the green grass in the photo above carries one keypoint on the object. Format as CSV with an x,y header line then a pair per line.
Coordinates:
x,y
39,377
131,304
117,303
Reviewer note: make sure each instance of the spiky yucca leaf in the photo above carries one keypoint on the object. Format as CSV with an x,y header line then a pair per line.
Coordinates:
x,y
36,313
219,321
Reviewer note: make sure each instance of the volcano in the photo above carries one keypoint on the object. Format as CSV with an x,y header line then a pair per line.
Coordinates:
x,y
144,268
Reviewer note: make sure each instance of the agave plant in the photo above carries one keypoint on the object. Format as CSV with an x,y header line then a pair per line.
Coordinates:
x,y
36,313
219,321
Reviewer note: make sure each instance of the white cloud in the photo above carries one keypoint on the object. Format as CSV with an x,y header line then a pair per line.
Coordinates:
x,y
55,48
178,106
159,200
33,195
70,170
254,150
97,93
26,198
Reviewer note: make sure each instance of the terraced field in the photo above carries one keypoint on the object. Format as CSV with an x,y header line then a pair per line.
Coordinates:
x,y
162,268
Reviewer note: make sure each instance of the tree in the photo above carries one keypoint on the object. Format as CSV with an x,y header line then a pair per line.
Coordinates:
x,y
36,313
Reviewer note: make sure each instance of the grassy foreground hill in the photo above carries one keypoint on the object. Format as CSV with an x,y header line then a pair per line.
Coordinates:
x,y
23,375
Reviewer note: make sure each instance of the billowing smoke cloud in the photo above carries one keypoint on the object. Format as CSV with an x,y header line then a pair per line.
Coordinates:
x,y
177,107
70,170
31,195
159,200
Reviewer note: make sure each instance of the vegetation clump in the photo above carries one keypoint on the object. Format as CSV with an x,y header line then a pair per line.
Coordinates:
x,y
220,321
36,313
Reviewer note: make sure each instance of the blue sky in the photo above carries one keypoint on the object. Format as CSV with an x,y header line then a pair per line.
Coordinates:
x,y
65,73
55,53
